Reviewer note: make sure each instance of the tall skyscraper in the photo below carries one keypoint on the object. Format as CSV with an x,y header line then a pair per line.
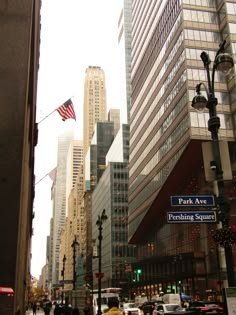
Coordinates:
x,y
95,103
124,40
166,133
73,163
59,199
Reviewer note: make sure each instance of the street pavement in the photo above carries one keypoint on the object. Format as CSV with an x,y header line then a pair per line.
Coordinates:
x,y
39,312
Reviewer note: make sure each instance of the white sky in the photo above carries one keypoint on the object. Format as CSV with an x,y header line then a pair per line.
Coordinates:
x,y
74,35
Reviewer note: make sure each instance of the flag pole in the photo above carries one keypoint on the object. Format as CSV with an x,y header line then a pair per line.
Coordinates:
x,y
51,112
41,179
47,116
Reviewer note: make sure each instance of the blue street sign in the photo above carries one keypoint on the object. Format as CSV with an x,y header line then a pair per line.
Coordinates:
x,y
192,201
192,217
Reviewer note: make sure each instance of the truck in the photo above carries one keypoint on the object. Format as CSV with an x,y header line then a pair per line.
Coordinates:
x,y
106,294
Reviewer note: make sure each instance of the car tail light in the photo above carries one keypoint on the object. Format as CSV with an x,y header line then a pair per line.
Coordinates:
x,y
212,308
205,308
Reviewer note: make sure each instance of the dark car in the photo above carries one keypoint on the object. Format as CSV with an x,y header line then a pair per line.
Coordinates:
x,y
148,307
206,308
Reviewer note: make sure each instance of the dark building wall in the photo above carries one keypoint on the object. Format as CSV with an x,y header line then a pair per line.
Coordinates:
x,y
19,36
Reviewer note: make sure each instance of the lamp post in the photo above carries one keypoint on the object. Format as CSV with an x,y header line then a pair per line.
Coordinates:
x,y
222,62
101,219
74,245
63,277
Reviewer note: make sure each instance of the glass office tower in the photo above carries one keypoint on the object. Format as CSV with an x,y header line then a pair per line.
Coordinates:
x,y
166,135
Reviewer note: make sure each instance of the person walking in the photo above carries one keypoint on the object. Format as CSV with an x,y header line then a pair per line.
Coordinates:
x,y
87,310
34,308
75,311
68,309
114,309
58,310
47,309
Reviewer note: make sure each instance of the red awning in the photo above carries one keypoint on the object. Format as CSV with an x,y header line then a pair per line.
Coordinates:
x,y
6,290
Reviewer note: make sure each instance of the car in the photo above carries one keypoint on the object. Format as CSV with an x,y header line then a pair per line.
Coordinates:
x,y
171,308
130,309
207,307
148,307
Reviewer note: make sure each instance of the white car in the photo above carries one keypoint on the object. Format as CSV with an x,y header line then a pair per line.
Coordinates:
x,y
130,309
162,309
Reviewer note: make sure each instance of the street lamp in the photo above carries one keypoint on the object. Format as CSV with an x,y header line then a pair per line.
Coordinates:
x,y
74,245
177,261
63,277
222,62
101,219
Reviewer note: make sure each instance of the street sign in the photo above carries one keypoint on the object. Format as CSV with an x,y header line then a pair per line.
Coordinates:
x,y
193,201
65,281
192,217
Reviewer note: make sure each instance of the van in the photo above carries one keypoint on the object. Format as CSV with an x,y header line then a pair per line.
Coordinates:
x,y
105,296
172,299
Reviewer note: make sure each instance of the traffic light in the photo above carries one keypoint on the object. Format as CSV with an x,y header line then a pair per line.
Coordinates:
x,y
138,272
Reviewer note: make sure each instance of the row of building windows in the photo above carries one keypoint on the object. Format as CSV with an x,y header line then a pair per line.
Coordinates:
x,y
206,36
232,28
222,97
202,3
231,7
200,16
201,75
201,120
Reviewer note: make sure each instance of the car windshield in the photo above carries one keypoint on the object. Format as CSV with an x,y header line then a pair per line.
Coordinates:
x,y
173,307
103,300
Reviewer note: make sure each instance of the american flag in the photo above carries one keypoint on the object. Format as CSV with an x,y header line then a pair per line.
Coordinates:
x,y
66,110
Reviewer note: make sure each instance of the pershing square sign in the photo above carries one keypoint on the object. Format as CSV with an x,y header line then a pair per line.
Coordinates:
x,y
192,217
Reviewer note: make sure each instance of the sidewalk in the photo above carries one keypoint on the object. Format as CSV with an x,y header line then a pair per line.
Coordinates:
x,y
39,312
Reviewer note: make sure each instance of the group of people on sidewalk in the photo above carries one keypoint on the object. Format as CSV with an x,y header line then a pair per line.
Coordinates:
x,y
67,309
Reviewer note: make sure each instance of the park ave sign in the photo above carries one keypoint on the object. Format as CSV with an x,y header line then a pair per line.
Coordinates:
x,y
193,201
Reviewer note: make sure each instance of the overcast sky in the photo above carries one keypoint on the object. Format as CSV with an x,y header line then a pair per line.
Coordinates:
x,y
74,35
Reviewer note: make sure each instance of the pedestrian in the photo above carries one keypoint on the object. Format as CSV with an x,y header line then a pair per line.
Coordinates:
x,y
68,309
47,309
58,310
34,308
114,309
75,311
87,309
